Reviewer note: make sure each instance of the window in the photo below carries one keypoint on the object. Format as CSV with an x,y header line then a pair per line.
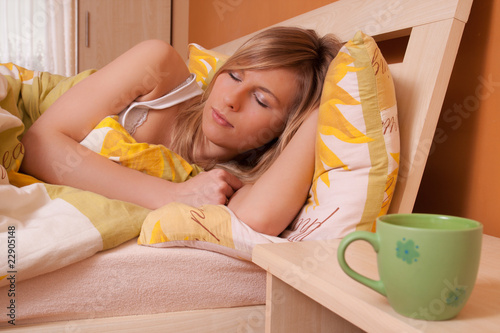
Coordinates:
x,y
39,34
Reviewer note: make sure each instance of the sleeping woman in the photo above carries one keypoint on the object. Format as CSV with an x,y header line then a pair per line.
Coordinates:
x,y
263,99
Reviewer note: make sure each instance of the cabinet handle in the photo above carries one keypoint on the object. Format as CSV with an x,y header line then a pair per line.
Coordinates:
x,y
87,21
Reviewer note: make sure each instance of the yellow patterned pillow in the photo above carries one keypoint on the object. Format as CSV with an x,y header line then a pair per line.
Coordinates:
x,y
204,63
209,227
357,146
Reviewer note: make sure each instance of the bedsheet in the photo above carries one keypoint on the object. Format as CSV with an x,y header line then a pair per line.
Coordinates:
x,y
135,280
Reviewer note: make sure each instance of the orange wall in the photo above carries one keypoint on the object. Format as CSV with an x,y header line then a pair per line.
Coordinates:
x,y
215,22
462,176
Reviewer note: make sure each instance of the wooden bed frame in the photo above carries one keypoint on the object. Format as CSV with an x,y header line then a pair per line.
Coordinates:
x,y
431,31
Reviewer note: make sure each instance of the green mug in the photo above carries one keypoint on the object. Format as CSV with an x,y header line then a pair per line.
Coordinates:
x,y
427,263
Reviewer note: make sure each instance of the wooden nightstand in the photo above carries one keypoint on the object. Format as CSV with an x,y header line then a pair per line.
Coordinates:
x,y
308,292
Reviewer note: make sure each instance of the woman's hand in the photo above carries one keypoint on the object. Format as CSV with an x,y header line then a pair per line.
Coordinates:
x,y
212,187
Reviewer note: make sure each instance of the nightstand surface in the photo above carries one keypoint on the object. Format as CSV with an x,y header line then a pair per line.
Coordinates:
x,y
310,268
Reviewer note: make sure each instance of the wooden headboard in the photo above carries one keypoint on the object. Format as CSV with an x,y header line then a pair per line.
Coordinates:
x,y
432,31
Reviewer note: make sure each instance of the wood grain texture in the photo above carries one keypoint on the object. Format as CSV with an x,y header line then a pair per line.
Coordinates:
x,y
301,313
108,28
240,319
461,176
311,269
180,27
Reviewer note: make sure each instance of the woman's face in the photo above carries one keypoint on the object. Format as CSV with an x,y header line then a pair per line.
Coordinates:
x,y
247,109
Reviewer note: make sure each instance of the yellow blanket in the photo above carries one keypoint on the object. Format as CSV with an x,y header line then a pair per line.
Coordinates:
x,y
48,226
111,140
24,96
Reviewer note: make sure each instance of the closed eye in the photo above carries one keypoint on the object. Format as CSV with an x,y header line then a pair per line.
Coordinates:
x,y
234,76
258,99
261,103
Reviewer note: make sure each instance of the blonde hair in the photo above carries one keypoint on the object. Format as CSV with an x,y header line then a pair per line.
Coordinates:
x,y
296,49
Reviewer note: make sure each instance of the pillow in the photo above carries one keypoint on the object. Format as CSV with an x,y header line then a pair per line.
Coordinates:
x,y
357,146
357,161
209,227
204,63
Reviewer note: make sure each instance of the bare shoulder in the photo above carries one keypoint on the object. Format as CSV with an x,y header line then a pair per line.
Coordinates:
x,y
153,50
155,66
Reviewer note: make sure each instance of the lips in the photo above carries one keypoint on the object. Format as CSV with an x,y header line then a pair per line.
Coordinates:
x,y
219,119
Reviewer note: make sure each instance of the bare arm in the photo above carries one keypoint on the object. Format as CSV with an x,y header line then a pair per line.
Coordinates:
x,y
53,152
269,205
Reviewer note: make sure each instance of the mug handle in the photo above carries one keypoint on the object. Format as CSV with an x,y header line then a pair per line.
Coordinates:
x,y
369,237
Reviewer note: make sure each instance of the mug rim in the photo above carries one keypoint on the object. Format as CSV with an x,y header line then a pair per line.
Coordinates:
x,y
478,225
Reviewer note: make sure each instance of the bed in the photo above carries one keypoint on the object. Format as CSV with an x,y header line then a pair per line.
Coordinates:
x,y
109,292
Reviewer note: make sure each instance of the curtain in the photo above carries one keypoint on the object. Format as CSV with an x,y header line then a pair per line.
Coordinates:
x,y
39,34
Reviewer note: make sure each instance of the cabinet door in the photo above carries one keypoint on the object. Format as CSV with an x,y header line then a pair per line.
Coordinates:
x,y
107,28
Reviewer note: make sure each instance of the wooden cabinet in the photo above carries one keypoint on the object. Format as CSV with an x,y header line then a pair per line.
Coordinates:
x,y
107,28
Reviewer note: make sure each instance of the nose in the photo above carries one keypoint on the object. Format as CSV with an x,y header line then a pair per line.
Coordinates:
x,y
233,99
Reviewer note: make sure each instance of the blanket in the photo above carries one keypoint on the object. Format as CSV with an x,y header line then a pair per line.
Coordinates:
x,y
44,227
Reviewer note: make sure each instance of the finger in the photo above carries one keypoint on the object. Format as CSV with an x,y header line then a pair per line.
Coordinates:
x,y
226,192
216,193
233,181
221,200
229,191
